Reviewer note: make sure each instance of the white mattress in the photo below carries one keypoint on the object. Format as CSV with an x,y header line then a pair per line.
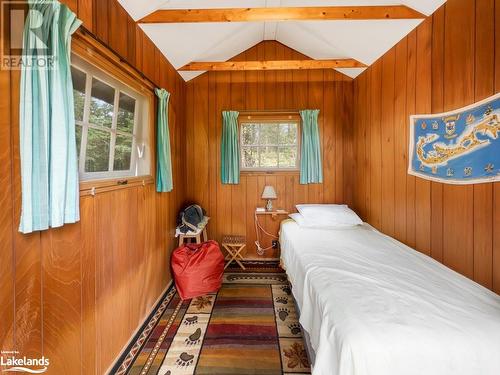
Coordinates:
x,y
373,306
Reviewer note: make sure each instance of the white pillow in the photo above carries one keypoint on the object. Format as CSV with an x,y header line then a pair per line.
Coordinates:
x,y
329,214
305,223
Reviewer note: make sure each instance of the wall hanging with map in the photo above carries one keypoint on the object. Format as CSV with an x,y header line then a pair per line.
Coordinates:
x,y
457,147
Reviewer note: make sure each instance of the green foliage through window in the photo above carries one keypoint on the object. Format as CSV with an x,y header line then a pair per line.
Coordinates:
x,y
269,145
104,134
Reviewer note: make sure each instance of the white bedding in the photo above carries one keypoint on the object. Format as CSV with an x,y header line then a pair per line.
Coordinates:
x,y
373,306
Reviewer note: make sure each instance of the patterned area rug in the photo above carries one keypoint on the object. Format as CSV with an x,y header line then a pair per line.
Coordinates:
x,y
249,327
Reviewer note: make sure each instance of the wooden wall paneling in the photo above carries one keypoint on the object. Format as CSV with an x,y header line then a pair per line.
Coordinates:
x,y
423,105
61,297
348,150
131,41
161,199
288,77
114,242
283,200
265,241
261,99
190,130
272,224
156,56
270,99
496,185
148,271
484,76
104,286
291,179
267,90
224,191
280,79
251,78
440,66
356,139
238,192
7,269
458,200
359,131
167,78
437,98
367,131
400,140
252,201
328,134
118,27
72,4
28,266
339,139
213,124
85,13
387,139
299,101
148,59
135,247
199,146
375,147
315,101
88,283
101,19
78,290
253,193
255,90
138,47
363,148
410,108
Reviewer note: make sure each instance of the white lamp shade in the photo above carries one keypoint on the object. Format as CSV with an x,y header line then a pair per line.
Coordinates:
x,y
269,193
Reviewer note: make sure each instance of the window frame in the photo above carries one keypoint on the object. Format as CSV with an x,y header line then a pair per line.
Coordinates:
x,y
141,113
271,118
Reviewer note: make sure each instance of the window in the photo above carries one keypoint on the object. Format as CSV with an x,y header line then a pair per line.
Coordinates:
x,y
111,123
269,143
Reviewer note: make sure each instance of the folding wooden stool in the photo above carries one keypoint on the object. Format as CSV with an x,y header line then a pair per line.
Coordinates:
x,y
234,245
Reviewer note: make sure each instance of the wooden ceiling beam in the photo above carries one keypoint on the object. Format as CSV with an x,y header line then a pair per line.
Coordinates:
x,y
272,65
283,14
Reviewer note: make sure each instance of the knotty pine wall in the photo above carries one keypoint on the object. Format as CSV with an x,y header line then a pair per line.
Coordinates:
x,y
232,206
77,294
449,61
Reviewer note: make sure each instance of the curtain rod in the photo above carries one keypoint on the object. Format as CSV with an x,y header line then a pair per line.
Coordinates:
x,y
269,111
86,32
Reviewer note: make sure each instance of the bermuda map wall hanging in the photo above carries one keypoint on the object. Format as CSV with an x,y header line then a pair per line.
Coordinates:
x,y
457,147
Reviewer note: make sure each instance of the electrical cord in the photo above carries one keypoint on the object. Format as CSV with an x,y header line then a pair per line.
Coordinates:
x,y
258,228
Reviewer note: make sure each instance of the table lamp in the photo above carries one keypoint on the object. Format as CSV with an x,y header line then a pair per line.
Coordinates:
x,y
269,193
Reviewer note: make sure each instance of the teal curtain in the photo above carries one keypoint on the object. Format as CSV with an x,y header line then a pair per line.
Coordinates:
x,y
230,148
311,171
164,182
49,171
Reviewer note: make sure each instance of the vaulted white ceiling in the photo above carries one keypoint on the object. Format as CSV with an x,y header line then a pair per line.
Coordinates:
x,y
365,41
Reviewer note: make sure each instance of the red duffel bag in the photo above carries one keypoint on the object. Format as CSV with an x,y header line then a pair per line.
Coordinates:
x,y
197,269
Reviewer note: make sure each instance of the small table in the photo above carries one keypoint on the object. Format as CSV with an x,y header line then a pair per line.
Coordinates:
x,y
234,245
194,235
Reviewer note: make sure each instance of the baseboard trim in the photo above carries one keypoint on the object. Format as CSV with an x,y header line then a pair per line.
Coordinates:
x,y
261,259
135,336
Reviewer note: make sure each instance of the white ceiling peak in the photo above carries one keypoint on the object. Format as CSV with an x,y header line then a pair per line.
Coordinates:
x,y
363,40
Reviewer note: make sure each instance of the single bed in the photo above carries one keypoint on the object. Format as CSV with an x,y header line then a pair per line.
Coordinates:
x,y
373,306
